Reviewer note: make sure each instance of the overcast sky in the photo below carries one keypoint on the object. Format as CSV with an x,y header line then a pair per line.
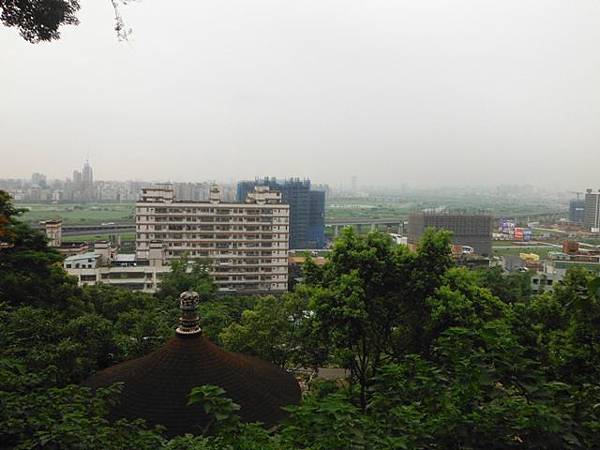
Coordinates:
x,y
423,92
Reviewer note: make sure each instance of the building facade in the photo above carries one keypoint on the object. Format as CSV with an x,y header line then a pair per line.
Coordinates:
x,y
245,244
592,210
53,230
105,265
577,211
474,230
307,209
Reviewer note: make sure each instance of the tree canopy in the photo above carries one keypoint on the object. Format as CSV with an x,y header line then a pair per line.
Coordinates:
x,y
439,356
39,20
43,20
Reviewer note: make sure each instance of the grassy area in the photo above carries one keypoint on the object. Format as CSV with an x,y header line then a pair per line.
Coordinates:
x,y
592,241
365,208
79,214
400,205
501,243
541,251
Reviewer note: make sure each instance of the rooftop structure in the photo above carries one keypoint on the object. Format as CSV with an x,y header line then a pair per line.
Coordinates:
x,y
104,265
156,387
82,261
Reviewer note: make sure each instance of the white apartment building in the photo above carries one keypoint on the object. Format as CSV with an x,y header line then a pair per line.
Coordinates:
x,y
245,244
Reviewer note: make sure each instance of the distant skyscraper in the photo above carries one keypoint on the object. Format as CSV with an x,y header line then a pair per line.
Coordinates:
x,y
87,178
307,209
38,179
77,178
77,186
354,184
592,209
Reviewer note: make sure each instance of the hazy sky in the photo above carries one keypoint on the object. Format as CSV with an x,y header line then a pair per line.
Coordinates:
x,y
420,92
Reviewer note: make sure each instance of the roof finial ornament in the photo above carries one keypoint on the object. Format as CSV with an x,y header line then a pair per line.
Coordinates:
x,y
189,323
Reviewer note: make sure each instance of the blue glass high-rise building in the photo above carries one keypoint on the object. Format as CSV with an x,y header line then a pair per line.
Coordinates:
x,y
307,209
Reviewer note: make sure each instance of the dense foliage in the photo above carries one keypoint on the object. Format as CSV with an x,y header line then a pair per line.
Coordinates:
x,y
39,20
438,356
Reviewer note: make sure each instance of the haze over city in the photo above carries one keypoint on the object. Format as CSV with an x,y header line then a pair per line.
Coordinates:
x,y
424,93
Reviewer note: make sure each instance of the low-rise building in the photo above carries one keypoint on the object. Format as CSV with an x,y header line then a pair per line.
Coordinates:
x,y
53,230
557,265
543,281
104,265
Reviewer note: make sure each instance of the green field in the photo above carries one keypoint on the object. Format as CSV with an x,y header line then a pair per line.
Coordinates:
x,y
542,251
79,214
364,208
400,205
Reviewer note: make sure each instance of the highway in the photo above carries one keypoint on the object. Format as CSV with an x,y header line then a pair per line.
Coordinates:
x,y
80,230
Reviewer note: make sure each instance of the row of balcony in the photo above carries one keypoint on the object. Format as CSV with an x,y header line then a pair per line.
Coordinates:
x,y
244,213
207,238
267,221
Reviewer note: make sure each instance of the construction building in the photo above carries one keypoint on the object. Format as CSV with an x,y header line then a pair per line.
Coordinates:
x,y
473,230
307,209
245,244
577,211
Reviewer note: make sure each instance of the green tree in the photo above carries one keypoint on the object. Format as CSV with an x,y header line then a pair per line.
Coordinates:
x,y
70,418
186,275
30,271
510,288
278,329
370,302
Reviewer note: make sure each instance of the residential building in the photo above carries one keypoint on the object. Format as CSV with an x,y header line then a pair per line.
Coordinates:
x,y
307,209
53,231
592,210
473,230
244,243
543,281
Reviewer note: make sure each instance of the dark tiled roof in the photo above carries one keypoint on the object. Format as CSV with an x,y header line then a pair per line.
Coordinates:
x,y
156,386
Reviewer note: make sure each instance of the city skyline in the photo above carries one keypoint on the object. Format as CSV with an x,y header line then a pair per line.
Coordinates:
x,y
427,93
349,185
